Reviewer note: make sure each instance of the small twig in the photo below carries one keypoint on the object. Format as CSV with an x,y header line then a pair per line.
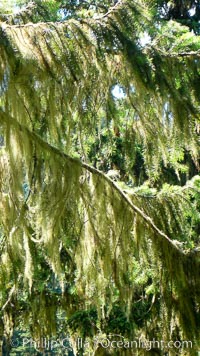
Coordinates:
x,y
13,289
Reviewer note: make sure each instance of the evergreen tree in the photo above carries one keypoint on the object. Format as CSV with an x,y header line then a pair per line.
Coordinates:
x,y
100,193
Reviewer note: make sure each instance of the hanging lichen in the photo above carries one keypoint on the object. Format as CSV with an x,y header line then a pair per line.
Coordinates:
x,y
68,222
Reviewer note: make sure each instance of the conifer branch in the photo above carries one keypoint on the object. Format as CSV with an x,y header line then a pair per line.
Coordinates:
x,y
179,54
35,138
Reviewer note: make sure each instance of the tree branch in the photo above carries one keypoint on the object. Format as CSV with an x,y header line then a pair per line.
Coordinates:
x,y
35,138
176,54
120,3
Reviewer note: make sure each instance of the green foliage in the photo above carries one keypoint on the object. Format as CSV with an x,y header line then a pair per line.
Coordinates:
x,y
99,195
185,12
